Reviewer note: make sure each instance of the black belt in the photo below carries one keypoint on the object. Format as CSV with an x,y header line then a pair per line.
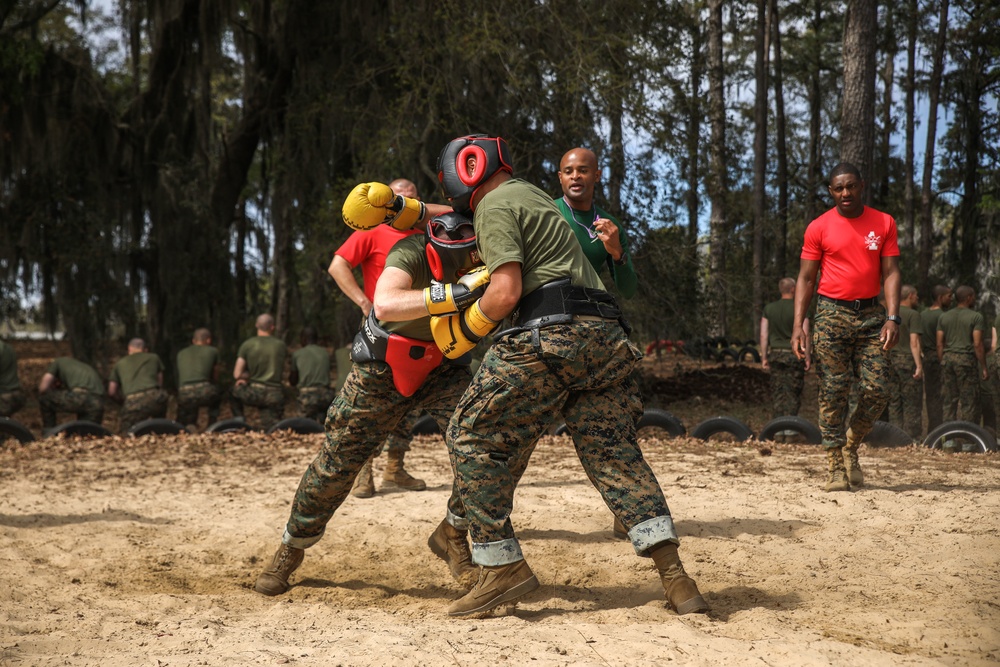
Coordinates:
x,y
560,302
853,304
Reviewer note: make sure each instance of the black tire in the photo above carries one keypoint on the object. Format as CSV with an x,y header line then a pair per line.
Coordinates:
x,y
232,425
803,427
12,429
426,425
79,427
974,437
656,418
751,352
884,434
714,425
728,353
156,427
301,425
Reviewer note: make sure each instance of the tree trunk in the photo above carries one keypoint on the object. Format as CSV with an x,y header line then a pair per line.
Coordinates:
x,y
781,255
926,194
910,87
815,98
759,164
888,128
857,120
717,190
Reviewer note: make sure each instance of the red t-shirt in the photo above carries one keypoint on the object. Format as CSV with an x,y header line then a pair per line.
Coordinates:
x,y
369,249
850,252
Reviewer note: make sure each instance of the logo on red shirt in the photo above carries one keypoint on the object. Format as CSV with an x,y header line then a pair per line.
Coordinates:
x,y
872,242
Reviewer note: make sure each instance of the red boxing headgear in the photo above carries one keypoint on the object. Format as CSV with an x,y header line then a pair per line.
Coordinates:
x,y
491,155
451,246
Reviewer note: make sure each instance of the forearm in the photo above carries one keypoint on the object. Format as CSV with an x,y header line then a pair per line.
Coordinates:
x,y
625,279
343,274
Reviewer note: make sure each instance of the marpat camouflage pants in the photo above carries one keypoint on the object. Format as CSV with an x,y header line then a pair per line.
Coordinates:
x,y
11,402
581,372
905,393
787,378
149,404
846,345
87,406
360,418
960,384
269,401
192,397
315,401
932,391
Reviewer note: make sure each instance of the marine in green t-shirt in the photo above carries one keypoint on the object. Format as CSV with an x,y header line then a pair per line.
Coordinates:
x,y
960,336
786,371
69,385
259,369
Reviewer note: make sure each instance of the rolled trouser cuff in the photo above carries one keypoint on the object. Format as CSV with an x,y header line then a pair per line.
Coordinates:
x,y
494,554
457,522
300,542
652,532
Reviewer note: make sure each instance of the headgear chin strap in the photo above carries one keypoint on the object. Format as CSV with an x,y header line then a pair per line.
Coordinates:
x,y
491,155
451,246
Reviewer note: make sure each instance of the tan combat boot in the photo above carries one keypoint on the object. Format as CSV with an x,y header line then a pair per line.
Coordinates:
x,y
679,589
452,546
854,473
618,530
496,586
395,477
274,580
364,483
838,473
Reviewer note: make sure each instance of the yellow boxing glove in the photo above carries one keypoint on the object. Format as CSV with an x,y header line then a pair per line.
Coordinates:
x,y
372,204
448,299
457,334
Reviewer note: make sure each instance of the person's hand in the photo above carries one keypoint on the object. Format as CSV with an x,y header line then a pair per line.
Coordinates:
x,y
765,364
451,298
457,334
986,373
799,343
918,374
889,335
607,232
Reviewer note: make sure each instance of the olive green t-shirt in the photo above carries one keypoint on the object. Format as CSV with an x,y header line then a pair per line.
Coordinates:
x,y
195,363
911,324
928,331
313,365
957,325
780,315
75,374
409,255
265,357
8,369
137,372
518,222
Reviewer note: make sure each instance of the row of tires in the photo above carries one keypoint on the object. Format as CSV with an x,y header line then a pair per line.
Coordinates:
x,y
12,429
955,435
711,349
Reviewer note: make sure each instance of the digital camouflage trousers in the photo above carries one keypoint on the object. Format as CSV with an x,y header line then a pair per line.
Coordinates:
x,y
269,401
846,346
85,405
314,402
960,386
932,391
192,397
149,404
360,418
905,393
581,373
11,402
787,378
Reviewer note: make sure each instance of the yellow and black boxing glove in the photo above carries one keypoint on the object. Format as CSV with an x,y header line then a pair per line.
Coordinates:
x,y
457,334
452,298
372,204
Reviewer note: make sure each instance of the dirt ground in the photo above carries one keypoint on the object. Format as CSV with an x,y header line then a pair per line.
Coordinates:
x,y
143,551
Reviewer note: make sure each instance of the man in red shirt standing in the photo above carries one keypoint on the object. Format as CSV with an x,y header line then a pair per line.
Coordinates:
x,y
853,248
369,250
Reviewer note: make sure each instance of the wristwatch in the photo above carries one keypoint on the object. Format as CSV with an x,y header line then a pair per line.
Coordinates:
x,y
621,261
895,318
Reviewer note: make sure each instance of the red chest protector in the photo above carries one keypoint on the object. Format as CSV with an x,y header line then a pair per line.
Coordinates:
x,y
411,360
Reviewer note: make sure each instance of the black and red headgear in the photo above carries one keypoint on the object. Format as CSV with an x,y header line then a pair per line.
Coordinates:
x,y
451,246
492,155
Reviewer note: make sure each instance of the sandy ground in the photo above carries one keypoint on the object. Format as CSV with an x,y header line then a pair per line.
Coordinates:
x,y
134,552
